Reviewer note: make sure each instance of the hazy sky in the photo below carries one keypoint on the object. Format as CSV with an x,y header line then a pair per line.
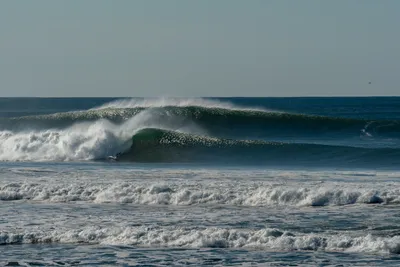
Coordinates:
x,y
199,48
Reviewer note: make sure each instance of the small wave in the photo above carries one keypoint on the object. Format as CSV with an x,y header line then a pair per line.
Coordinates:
x,y
259,194
263,239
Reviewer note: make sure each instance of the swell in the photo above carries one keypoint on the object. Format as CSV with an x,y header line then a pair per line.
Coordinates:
x,y
158,145
223,122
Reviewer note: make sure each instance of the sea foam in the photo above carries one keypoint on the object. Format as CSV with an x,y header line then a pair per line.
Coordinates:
x,y
192,193
263,239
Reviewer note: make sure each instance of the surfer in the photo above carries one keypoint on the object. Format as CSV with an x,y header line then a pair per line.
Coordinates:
x,y
114,158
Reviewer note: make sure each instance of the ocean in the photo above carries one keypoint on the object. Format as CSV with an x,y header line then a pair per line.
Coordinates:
x,y
200,182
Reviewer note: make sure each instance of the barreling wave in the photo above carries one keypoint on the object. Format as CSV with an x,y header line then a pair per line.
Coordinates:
x,y
199,131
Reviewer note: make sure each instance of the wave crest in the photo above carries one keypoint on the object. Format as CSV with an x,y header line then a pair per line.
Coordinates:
x,y
268,239
238,194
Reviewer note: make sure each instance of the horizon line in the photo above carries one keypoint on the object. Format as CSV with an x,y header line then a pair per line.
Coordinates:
x,y
311,96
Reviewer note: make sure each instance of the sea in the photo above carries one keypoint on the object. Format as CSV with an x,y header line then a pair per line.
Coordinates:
x,y
302,181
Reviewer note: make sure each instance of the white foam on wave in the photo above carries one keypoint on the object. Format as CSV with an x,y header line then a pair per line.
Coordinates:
x,y
205,192
263,239
81,141
178,102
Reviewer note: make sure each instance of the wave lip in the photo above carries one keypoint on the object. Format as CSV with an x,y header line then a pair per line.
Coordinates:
x,y
224,121
264,239
174,102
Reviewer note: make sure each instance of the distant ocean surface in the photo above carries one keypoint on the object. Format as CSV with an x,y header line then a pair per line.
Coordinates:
x,y
200,182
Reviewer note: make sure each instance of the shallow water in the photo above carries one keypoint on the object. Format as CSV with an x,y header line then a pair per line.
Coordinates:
x,y
97,214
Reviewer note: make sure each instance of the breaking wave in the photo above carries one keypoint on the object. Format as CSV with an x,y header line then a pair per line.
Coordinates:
x,y
221,193
265,239
198,131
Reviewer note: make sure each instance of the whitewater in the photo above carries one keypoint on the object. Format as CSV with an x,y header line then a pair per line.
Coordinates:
x,y
199,182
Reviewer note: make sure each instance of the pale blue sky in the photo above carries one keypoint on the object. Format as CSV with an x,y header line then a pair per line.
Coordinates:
x,y
199,48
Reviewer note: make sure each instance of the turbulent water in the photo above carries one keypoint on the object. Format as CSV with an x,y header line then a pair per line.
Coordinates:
x,y
156,182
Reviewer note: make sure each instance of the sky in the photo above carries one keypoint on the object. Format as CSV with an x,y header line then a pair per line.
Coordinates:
x,y
199,48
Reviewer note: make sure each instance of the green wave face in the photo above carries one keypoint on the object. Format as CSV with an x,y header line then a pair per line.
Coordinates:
x,y
157,145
